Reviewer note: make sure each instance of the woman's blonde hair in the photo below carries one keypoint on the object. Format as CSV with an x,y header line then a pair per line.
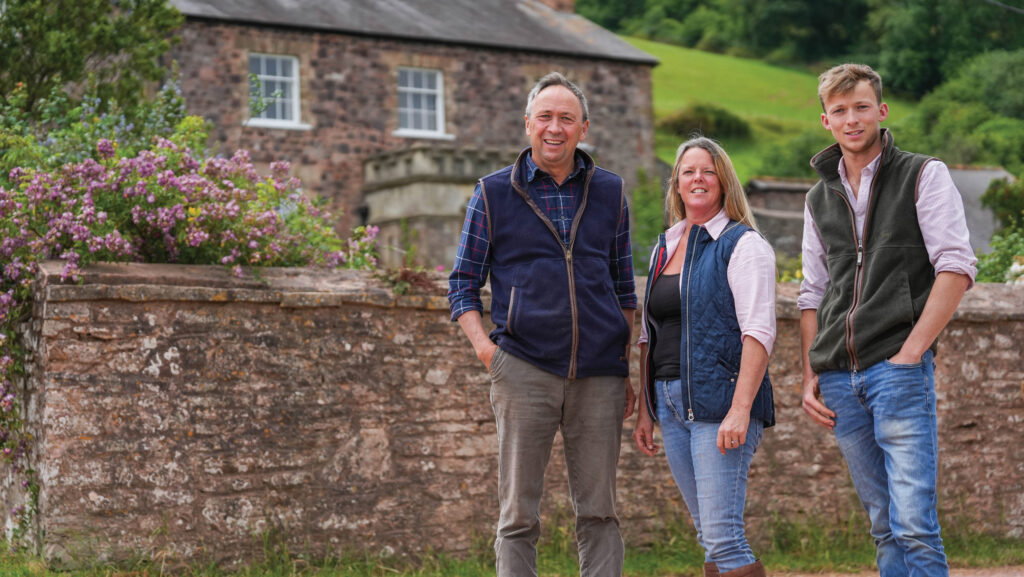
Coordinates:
x,y
736,206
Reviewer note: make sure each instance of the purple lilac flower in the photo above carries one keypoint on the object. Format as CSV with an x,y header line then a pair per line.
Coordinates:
x,y
105,148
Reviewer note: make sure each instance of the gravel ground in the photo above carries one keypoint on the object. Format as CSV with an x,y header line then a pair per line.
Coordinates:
x,y
1017,571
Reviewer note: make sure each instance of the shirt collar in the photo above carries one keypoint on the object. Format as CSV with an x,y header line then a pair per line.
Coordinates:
x,y
715,227
869,170
533,171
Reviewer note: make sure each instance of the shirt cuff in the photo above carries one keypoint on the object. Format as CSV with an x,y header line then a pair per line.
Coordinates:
x,y
465,308
766,339
967,270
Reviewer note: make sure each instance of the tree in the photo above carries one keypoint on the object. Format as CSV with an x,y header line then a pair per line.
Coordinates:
x,y
609,13
921,43
975,117
797,30
784,30
116,43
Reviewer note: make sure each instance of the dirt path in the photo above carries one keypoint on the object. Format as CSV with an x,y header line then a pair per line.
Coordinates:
x,y
1017,571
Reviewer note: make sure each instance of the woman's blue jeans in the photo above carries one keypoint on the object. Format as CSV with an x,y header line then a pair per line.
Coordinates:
x,y
887,431
713,485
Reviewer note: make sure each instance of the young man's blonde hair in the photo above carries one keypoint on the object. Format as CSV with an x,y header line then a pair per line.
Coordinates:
x,y
844,78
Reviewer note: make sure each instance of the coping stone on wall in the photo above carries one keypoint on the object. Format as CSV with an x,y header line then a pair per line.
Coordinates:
x,y
291,287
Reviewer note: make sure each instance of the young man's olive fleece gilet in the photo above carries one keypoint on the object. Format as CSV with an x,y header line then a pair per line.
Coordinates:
x,y
878,286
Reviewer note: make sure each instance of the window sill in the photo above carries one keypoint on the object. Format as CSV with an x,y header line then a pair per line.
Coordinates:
x,y
282,124
406,133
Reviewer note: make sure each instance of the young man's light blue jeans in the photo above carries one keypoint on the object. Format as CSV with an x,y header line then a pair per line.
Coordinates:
x,y
887,431
713,485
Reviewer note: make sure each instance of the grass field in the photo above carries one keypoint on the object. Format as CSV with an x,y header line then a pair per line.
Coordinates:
x,y
788,545
778,102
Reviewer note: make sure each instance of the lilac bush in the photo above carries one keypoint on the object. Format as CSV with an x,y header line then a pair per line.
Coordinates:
x,y
68,129
165,203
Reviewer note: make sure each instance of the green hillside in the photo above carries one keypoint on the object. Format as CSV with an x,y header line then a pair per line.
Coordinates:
x,y
778,102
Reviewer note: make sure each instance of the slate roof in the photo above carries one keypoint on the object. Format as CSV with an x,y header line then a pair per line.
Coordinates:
x,y
508,24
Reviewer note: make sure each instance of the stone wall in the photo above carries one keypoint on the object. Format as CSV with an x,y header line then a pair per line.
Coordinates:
x,y
180,412
349,83
778,206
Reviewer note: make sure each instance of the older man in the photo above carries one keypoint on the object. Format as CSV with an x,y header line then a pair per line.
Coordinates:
x,y
552,233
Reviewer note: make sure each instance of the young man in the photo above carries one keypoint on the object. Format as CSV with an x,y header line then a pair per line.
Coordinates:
x,y
886,260
551,232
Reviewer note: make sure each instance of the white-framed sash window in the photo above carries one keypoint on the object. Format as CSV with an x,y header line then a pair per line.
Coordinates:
x,y
421,103
274,91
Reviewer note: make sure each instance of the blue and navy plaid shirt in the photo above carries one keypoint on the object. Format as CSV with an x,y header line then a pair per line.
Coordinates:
x,y
559,203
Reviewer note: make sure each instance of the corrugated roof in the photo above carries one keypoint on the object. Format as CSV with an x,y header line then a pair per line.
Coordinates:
x,y
515,24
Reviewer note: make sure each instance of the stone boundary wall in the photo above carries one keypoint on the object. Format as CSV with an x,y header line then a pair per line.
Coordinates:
x,y
180,412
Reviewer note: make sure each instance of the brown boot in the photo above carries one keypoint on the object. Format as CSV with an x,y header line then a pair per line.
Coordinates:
x,y
755,569
711,570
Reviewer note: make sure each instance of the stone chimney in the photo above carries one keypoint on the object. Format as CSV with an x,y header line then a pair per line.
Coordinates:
x,y
560,5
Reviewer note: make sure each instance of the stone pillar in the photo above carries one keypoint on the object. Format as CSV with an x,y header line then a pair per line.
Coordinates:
x,y
417,197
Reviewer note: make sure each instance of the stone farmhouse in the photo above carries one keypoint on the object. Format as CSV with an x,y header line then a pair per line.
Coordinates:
x,y
391,109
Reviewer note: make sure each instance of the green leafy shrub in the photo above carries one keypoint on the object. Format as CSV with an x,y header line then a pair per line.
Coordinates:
x,y
1004,263
974,118
656,25
648,212
791,158
707,119
707,30
407,280
1002,141
789,268
1006,200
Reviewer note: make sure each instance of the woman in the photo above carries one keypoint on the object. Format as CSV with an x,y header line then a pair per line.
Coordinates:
x,y
709,327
